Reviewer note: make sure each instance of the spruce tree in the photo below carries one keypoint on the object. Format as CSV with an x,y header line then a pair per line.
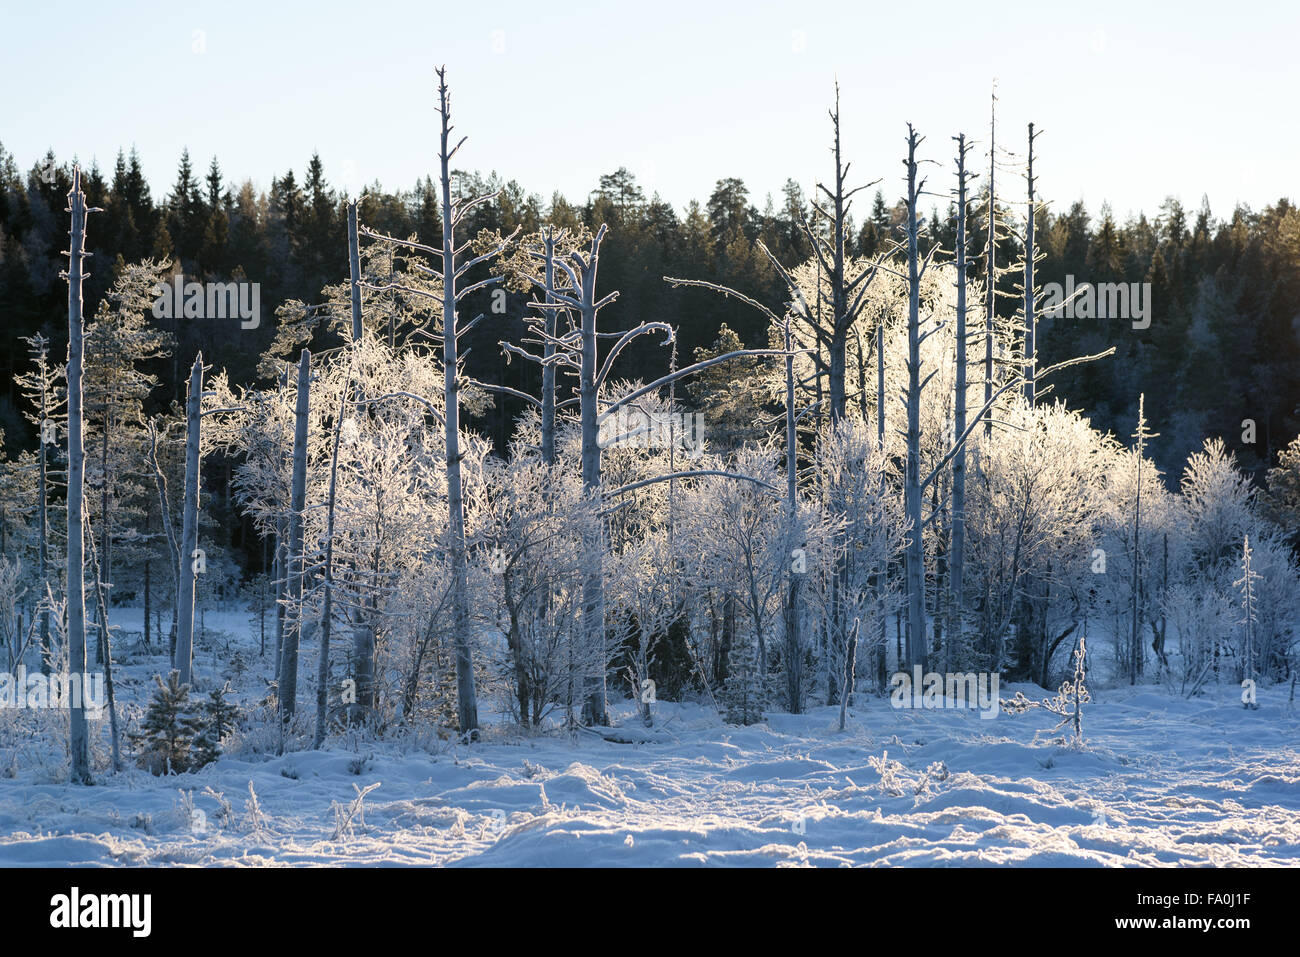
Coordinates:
x,y
168,729
742,695
217,721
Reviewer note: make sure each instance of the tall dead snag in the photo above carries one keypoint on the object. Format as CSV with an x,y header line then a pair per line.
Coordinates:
x,y
793,605
990,268
78,734
593,582
288,688
548,247
327,603
882,574
183,659
914,485
1030,349
545,247
846,305
848,282
847,292
453,270
466,698
957,546
363,632
912,491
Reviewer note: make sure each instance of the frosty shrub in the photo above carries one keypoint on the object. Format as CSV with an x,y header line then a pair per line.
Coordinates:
x,y
1067,704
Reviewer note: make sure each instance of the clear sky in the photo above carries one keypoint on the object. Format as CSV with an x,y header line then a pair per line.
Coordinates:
x,y
1136,100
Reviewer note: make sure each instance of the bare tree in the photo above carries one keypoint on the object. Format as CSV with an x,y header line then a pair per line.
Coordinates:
x,y
453,270
990,266
1031,254
78,736
957,546
288,688
914,485
183,656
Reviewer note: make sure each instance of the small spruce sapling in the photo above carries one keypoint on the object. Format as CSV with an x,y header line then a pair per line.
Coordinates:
x,y
169,728
218,720
742,695
1067,704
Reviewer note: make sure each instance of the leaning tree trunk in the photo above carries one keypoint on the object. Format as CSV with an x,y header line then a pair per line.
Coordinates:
x,y
78,734
183,659
297,505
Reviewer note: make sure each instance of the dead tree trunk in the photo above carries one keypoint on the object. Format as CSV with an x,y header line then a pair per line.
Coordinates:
x,y
288,687
990,272
183,659
793,616
957,548
466,698
912,497
327,602
1030,319
43,496
882,574
363,632
78,735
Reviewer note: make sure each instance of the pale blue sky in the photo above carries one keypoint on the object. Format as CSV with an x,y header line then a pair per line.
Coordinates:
x,y
1137,100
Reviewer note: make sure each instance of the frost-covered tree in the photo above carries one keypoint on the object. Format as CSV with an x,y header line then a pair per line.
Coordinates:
x,y
454,267
41,387
78,736
1035,514
169,728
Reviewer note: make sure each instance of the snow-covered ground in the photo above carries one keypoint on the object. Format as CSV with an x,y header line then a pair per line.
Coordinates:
x,y
1160,780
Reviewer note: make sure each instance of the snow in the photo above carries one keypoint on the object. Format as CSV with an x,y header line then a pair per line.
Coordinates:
x,y
1160,781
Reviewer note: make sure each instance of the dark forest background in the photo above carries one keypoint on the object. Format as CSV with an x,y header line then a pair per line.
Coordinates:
x,y
1223,344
